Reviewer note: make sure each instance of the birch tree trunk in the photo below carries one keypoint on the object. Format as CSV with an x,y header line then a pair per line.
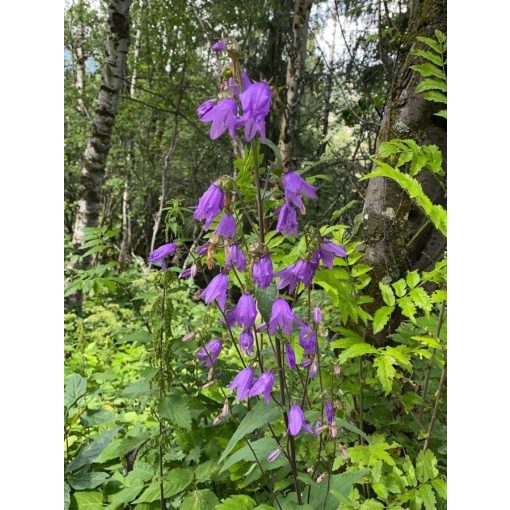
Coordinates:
x,y
395,232
137,47
295,70
98,146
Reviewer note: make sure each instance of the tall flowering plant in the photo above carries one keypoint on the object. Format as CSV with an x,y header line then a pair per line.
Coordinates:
x,y
277,347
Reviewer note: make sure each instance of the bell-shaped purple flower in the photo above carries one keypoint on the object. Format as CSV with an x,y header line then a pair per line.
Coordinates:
x,y
209,205
287,278
235,258
327,250
300,271
308,339
246,311
190,271
282,317
223,116
329,412
202,250
159,254
216,290
245,79
290,355
209,354
220,45
287,220
262,272
243,382
230,318
294,187
205,107
256,102
274,455
317,315
264,384
246,342
226,226
297,421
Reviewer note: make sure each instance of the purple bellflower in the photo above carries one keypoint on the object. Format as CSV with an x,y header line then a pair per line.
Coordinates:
x,y
297,421
230,318
223,117
209,205
216,290
190,271
300,271
235,258
282,317
327,250
317,315
243,382
274,455
246,311
159,254
287,220
294,187
329,412
262,272
226,226
256,102
246,342
308,339
290,355
220,45
263,384
205,107
209,354
202,250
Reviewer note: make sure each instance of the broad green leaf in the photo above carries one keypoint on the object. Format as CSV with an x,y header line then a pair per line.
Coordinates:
x,y
413,279
265,299
435,96
88,453
400,287
427,496
385,372
431,84
355,351
81,481
440,486
67,496
429,341
371,504
434,45
438,296
428,69
174,481
86,500
381,317
401,355
441,113
138,389
239,502
340,422
387,294
176,409
440,36
206,471
421,299
75,387
257,417
426,466
262,448
407,306
126,495
204,499
428,55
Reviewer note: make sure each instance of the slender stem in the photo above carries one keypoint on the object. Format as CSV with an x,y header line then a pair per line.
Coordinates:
x,y
161,391
260,208
360,375
436,408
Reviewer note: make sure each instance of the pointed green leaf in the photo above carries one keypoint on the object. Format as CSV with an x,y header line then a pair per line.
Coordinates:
x,y
428,55
400,287
174,481
356,351
204,499
427,496
381,317
385,372
86,500
435,96
387,294
239,502
428,69
176,409
440,486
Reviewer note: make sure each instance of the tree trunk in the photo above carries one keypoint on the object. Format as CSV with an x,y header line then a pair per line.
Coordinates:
x,y
295,71
98,146
125,247
394,232
137,47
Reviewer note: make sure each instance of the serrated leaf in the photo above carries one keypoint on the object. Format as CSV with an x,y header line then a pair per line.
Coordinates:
x,y
440,36
438,296
262,448
407,306
126,495
387,294
440,487
431,84
400,355
441,113
91,451
381,318
428,55
400,287
421,299
385,372
413,279
427,496
75,387
204,499
371,504
176,409
426,466
428,341
87,500
434,45
174,481
428,69
89,480
356,351
238,502
257,417
435,96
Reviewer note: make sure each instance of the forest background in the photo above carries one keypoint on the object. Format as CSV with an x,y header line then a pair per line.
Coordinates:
x,y
471,393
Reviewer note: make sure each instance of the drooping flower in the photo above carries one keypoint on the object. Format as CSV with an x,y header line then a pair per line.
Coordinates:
x,y
220,45
297,421
245,80
329,412
282,317
223,116
205,107
202,250
216,290
235,258
262,272
230,318
243,382
308,339
190,271
287,278
274,455
226,226
246,311
209,205
327,250
263,384
256,102
246,342
317,316
291,356
287,220
160,254
300,271
294,187
209,354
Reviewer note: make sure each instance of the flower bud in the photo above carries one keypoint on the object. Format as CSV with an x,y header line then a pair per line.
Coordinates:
x,y
333,430
337,369
208,385
321,477
274,455
189,336
226,408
